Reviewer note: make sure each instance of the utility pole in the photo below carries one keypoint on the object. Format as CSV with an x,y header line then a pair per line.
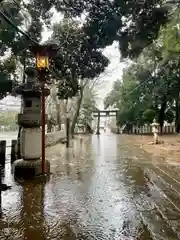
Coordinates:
x,y
43,124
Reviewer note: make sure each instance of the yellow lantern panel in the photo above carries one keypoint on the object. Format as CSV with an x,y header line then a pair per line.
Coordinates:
x,y
42,62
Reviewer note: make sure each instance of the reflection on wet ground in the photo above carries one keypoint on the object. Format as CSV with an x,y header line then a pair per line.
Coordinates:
x,y
101,188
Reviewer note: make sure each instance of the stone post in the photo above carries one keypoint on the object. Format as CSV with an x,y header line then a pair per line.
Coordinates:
x,y
30,136
2,152
155,131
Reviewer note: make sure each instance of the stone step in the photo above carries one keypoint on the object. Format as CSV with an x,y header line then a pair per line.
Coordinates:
x,y
163,201
167,179
154,221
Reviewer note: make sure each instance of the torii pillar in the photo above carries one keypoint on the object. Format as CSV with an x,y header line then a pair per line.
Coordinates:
x,y
98,124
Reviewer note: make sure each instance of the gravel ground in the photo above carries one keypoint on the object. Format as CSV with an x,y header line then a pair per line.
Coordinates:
x,y
169,149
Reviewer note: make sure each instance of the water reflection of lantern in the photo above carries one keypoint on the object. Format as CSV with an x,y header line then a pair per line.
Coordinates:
x,y
32,214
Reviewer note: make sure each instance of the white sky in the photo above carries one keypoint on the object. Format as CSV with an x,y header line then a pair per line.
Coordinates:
x,y
113,71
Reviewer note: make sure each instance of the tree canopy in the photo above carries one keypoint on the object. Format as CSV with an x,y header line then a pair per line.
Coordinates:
x,y
134,24
145,30
150,86
75,60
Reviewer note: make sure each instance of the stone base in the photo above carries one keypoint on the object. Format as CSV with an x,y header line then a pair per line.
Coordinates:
x,y
28,169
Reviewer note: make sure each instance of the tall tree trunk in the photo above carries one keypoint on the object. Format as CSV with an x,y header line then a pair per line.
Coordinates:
x,y
58,117
162,114
49,126
65,112
74,120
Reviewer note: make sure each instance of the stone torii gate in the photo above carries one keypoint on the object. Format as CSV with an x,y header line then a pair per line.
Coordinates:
x,y
104,113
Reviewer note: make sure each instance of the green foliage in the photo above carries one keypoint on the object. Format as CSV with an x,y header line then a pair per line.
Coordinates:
x,y
169,117
7,68
75,59
33,14
113,98
7,119
67,89
135,24
150,87
149,115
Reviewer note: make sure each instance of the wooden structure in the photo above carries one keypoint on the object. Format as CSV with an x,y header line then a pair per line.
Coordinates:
x,y
104,113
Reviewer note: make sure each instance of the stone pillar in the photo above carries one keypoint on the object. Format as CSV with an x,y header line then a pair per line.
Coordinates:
x,y
98,123
30,136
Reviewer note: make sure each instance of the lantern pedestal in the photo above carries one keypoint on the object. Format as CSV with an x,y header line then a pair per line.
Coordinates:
x,y
28,169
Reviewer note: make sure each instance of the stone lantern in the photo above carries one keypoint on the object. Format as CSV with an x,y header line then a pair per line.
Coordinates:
x,y
30,120
155,131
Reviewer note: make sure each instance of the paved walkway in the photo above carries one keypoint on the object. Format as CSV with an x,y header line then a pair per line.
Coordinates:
x,y
154,185
103,188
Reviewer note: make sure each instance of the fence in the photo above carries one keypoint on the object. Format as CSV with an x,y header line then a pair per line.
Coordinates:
x,y
146,130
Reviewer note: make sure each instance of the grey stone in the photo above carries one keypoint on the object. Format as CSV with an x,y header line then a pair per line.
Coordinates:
x,y
28,169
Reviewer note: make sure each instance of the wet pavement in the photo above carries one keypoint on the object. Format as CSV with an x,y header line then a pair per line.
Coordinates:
x,y
102,188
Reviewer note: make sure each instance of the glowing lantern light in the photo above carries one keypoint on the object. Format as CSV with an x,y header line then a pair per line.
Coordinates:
x,y
42,62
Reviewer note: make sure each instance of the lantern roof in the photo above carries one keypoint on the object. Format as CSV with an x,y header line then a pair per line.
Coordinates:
x,y
31,91
154,123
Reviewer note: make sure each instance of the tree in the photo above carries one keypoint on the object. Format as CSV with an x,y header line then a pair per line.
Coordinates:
x,y
14,14
134,24
113,97
88,106
7,37
7,120
150,85
76,59
76,63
